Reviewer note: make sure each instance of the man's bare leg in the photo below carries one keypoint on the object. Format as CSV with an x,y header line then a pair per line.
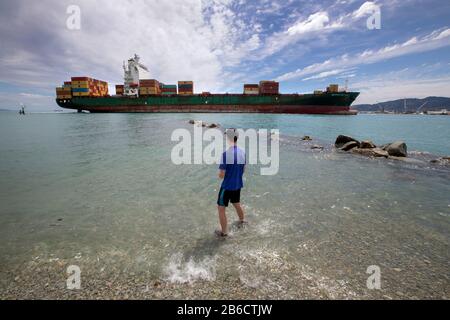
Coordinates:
x,y
223,219
239,211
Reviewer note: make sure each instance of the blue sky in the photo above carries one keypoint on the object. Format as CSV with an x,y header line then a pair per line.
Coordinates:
x,y
222,44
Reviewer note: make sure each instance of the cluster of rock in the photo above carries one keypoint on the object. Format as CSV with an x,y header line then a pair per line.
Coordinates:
x,y
445,161
397,149
314,146
204,124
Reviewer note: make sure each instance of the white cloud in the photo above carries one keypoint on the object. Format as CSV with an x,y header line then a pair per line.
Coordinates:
x,y
437,39
326,74
443,34
316,25
203,40
315,22
412,82
177,40
367,8
385,88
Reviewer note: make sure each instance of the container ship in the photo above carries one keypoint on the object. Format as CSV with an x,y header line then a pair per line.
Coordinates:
x,y
150,95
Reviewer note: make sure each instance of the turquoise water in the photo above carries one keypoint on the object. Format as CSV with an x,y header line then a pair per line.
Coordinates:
x,y
100,191
422,133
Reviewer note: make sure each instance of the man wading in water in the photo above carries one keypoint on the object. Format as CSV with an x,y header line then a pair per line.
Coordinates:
x,y
231,168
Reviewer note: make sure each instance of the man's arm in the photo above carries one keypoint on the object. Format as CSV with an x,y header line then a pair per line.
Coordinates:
x,y
222,166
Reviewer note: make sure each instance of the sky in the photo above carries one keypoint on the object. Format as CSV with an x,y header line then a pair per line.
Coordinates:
x,y
222,44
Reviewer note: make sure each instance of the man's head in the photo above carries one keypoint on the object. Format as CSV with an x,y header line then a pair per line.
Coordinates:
x,y
232,135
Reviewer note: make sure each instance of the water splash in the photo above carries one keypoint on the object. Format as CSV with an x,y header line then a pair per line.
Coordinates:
x,y
180,270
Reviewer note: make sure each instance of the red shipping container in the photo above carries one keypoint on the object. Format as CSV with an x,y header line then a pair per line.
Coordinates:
x,y
81,79
151,82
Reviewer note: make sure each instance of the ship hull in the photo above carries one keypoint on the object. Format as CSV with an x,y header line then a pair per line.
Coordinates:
x,y
337,103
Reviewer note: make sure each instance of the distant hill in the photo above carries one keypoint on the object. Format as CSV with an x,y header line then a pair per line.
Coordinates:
x,y
432,103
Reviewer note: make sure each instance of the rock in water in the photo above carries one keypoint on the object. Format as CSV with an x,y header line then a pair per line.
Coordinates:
x,y
306,138
342,140
408,160
445,161
350,145
375,152
367,144
213,125
191,121
397,149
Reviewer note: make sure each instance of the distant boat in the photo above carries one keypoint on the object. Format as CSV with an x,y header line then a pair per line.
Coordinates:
x,y
443,112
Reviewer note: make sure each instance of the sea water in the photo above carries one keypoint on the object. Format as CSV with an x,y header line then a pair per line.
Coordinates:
x,y
100,192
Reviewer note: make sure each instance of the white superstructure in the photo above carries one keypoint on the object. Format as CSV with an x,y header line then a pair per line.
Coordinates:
x,y
132,72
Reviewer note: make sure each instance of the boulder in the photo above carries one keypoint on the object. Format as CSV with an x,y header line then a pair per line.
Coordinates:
x,y
374,152
306,138
396,149
367,144
191,121
342,140
350,145
213,125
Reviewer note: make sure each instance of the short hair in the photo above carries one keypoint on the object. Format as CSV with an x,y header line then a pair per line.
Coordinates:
x,y
232,134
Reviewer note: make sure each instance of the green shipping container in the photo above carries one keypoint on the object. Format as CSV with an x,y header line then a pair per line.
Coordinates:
x,y
169,86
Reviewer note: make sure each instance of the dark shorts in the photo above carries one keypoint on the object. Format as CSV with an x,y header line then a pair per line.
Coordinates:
x,y
227,196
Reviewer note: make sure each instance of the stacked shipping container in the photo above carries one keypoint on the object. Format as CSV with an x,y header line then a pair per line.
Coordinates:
x,y
119,89
168,89
88,87
269,87
149,87
333,88
186,87
64,92
251,89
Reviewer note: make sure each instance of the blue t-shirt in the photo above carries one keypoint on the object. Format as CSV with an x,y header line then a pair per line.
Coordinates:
x,y
233,162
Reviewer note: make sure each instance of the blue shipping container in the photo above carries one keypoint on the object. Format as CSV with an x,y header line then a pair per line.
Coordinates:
x,y
80,89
